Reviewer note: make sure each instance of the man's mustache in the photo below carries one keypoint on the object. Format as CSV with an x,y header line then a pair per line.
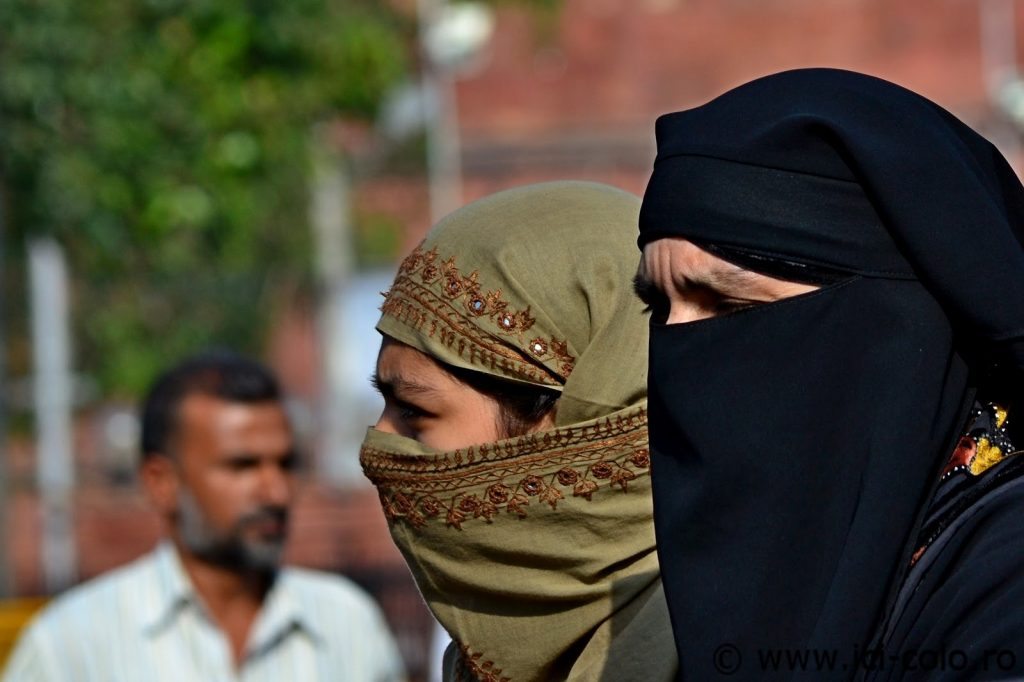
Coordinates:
x,y
264,515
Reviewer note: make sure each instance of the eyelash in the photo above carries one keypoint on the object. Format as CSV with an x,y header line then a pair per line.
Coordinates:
x,y
408,412
722,307
726,307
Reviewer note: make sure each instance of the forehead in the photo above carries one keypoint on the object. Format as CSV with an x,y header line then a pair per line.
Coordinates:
x,y
209,426
398,362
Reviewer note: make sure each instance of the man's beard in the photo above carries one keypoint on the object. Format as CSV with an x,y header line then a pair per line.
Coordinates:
x,y
231,549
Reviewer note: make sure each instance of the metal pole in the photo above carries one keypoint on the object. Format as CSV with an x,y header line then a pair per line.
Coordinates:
x,y
52,397
444,163
6,586
998,44
1000,73
331,219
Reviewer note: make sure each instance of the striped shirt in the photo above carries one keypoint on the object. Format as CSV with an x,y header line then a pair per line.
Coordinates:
x,y
145,623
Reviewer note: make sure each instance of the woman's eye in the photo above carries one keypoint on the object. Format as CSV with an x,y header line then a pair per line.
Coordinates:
x,y
408,412
725,307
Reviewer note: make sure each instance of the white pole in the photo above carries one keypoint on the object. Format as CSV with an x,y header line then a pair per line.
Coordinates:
x,y
52,397
444,164
6,587
1000,73
331,218
998,44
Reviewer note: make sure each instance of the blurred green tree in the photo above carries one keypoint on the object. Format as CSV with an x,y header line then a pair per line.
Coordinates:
x,y
165,144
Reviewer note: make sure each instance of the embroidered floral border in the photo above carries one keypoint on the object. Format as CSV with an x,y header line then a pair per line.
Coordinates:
x,y
434,296
631,423
481,482
472,666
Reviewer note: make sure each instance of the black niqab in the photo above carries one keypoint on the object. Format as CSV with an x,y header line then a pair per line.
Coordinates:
x,y
795,445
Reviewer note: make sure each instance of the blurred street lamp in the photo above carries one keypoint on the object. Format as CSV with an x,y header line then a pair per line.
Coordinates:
x,y
456,35
452,38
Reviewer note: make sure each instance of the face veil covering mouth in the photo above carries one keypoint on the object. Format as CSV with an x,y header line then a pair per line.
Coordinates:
x,y
535,553
797,445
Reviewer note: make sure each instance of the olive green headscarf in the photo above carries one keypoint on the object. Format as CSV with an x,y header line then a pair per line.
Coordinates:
x,y
536,553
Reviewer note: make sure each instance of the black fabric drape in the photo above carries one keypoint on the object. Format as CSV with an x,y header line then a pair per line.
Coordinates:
x,y
795,445
958,613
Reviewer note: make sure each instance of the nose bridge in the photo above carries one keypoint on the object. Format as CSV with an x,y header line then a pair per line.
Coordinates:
x,y
677,313
276,483
681,311
385,423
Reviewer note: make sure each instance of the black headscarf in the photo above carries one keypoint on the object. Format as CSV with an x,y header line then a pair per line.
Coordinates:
x,y
795,445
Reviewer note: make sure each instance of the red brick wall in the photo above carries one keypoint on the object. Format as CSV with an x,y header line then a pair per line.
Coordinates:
x,y
574,93
608,65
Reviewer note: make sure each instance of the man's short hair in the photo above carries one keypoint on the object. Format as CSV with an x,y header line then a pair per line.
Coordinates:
x,y
219,374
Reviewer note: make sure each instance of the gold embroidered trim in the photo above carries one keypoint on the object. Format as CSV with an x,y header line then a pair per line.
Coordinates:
x,y
546,467
986,456
429,292
470,664
979,450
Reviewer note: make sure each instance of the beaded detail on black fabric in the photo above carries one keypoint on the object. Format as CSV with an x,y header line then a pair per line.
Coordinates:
x,y
984,444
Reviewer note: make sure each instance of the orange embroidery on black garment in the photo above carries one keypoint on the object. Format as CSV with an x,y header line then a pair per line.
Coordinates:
x,y
984,445
481,481
472,666
431,292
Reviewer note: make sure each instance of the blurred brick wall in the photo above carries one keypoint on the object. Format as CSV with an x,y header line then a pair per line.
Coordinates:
x,y
609,65
574,93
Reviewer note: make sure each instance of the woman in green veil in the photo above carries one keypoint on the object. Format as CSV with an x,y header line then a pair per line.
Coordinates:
x,y
511,458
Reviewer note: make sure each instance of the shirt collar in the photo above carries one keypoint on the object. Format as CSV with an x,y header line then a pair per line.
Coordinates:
x,y
171,589
283,612
173,592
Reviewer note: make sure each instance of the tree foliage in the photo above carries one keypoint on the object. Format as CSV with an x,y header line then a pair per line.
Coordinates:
x,y
165,144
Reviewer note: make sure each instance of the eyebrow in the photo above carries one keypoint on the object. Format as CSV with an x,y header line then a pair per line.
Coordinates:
x,y
722,280
725,281
245,456
392,386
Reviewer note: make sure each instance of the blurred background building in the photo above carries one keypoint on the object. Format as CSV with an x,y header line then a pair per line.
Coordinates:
x,y
177,175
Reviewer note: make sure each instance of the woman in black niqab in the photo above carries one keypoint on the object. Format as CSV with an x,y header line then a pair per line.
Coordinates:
x,y
832,472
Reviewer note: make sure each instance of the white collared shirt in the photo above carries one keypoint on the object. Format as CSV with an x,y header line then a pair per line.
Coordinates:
x,y
145,623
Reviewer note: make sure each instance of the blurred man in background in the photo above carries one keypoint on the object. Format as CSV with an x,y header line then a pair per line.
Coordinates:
x,y
211,602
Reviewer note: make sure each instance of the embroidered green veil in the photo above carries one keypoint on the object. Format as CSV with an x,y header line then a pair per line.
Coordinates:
x,y
536,553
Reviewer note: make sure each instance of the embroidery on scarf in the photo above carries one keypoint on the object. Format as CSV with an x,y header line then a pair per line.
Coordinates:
x,y
472,667
575,461
428,292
